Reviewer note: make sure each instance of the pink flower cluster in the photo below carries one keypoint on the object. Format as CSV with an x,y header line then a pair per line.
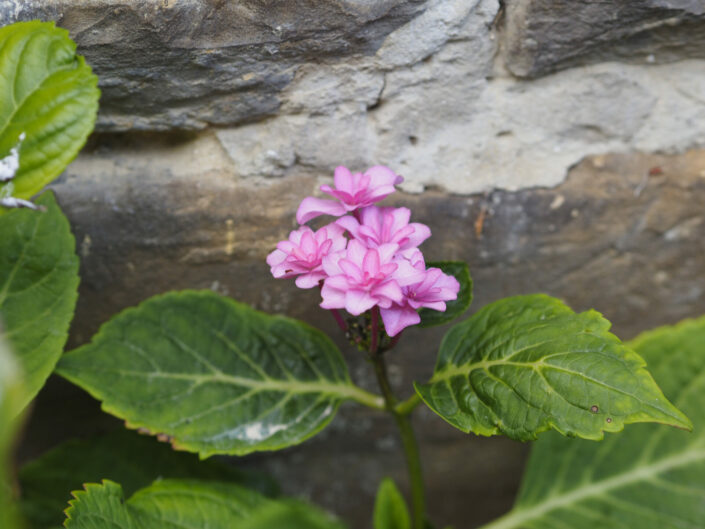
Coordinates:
x,y
368,257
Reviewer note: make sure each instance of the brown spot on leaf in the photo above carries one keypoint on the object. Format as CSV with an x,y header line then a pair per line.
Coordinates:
x,y
609,419
594,409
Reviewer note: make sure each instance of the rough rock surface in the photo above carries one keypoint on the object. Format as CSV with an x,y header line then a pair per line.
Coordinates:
x,y
190,63
622,235
547,35
443,128
300,87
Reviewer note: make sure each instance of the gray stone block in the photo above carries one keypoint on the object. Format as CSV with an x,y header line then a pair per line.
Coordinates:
x,y
542,36
191,63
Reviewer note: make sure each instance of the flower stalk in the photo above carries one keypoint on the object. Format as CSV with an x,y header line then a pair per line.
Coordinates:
x,y
339,320
409,443
374,331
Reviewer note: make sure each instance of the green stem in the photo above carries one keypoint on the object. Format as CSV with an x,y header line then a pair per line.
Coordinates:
x,y
413,462
411,447
409,405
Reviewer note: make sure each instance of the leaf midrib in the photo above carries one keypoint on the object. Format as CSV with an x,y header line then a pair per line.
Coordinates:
x,y
28,94
520,515
344,390
465,370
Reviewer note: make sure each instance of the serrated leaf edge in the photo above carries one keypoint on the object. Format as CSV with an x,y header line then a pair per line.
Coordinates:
x,y
79,494
48,198
683,422
342,391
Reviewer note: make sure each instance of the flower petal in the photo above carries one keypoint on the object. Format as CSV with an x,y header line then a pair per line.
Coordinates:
x,y
398,318
421,233
408,275
286,270
389,290
432,276
339,282
286,246
400,216
358,301
276,257
377,194
387,251
309,280
351,270
372,216
349,223
332,297
356,252
440,306
343,179
330,263
312,207
381,175
370,264
308,243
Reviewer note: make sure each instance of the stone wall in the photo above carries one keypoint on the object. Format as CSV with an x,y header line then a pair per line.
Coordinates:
x,y
555,146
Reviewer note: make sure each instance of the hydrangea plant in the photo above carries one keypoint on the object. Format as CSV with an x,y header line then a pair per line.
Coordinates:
x,y
209,375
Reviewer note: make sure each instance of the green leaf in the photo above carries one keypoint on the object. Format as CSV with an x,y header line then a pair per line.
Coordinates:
x,y
525,364
125,457
175,504
167,504
290,515
38,288
48,93
214,375
11,397
99,507
454,309
391,511
649,477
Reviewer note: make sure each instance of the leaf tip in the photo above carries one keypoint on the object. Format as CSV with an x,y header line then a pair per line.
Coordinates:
x,y
683,422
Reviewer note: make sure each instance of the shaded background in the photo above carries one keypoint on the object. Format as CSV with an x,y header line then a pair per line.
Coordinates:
x,y
555,146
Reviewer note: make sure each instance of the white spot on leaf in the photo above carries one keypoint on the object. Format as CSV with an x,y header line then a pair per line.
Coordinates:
x,y
11,163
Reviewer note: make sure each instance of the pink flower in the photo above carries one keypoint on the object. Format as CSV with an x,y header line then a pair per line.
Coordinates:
x,y
432,291
360,278
303,253
384,225
353,191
